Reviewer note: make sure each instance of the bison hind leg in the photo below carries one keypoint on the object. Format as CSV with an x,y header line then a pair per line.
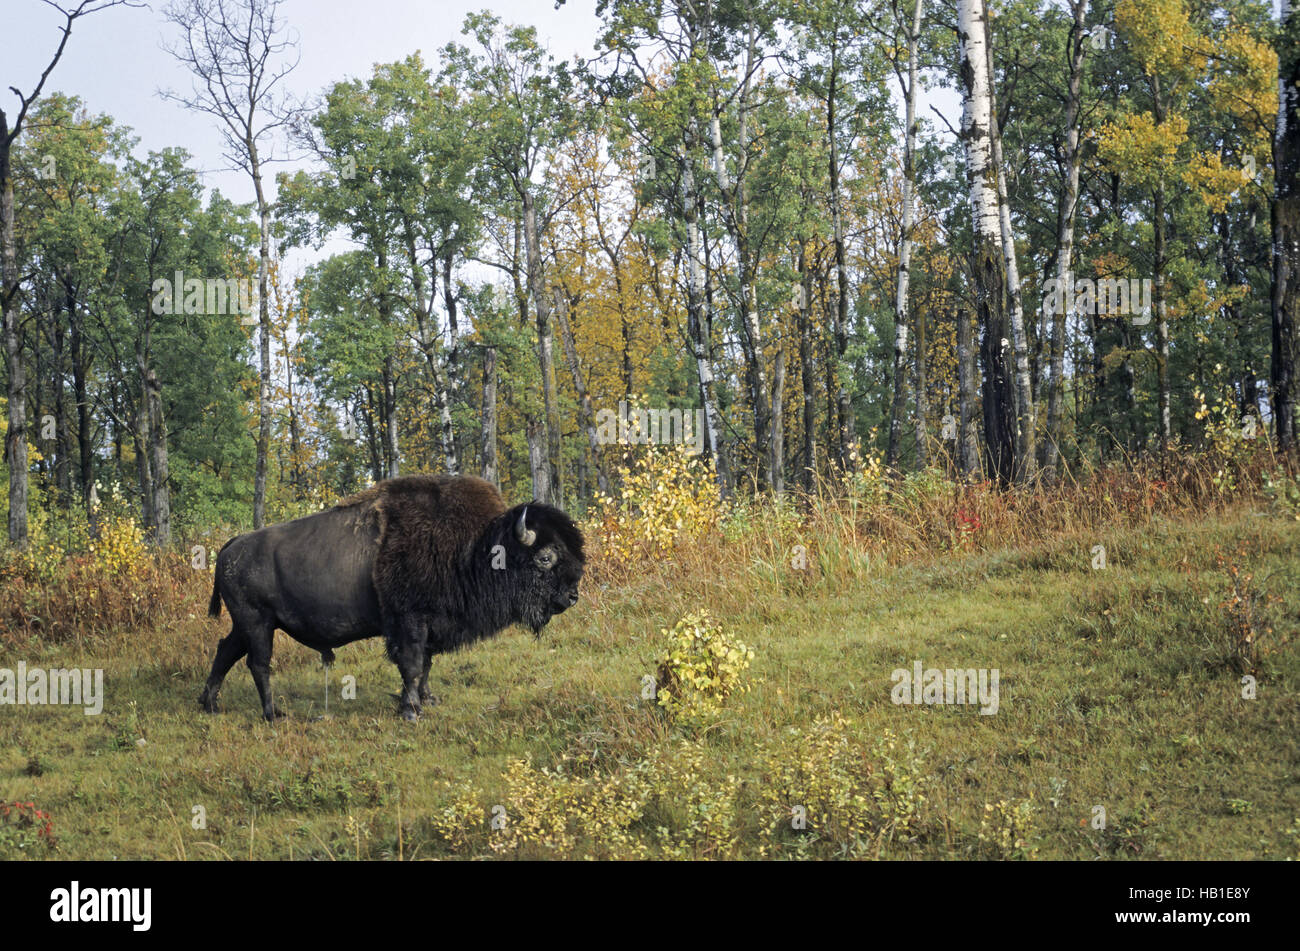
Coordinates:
x,y
327,657
232,647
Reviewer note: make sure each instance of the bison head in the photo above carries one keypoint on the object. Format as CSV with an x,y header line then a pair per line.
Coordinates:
x,y
545,553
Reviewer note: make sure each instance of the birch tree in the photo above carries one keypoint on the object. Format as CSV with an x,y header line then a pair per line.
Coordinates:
x,y
987,263
908,86
238,52
1025,421
1076,46
1285,221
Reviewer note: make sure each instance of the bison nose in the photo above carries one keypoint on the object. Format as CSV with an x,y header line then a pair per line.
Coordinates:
x,y
573,597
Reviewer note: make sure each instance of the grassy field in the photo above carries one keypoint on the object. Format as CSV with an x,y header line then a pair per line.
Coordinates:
x,y
1119,688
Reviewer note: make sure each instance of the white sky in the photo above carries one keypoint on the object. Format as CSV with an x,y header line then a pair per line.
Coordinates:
x,y
116,64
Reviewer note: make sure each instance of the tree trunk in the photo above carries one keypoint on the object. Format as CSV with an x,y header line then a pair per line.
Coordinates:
x,y
968,453
423,319
844,408
584,398
489,446
1025,417
296,475
1162,321
697,324
62,442
455,383
736,203
85,448
778,424
987,265
921,406
1285,220
806,371
391,449
1077,44
143,469
158,456
1239,321
16,390
898,406
545,355
538,466
1158,288
264,322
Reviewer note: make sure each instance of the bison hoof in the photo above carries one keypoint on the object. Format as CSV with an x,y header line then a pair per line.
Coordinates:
x,y
275,714
410,716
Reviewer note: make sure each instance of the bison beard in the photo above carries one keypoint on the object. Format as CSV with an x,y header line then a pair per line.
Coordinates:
x,y
429,562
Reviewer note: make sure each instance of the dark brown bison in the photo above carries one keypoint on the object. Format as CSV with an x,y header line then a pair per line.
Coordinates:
x,y
429,562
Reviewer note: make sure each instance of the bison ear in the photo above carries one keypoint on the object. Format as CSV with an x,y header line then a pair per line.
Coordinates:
x,y
525,535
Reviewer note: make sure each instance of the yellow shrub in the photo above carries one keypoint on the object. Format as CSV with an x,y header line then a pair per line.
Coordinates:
x,y
661,806
1007,828
830,788
868,484
547,810
667,496
697,818
1231,438
703,668
120,548
462,816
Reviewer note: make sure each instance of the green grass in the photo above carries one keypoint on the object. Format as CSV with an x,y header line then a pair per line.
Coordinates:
x,y
1119,688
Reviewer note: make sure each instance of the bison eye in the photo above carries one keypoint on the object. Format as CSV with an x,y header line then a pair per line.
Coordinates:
x,y
546,558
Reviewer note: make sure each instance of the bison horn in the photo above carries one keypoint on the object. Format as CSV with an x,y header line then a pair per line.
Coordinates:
x,y
525,535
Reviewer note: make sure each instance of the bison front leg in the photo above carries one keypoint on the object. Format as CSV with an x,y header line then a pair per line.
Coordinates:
x,y
259,665
406,640
427,699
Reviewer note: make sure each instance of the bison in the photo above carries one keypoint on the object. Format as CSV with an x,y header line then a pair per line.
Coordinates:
x,y
429,562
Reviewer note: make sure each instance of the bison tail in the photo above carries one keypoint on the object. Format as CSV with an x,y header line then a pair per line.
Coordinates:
x,y
214,606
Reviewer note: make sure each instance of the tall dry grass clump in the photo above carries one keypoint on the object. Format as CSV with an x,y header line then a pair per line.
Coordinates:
x,y
67,585
851,523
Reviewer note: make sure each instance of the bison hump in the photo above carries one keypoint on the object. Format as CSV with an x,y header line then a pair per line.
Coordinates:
x,y
426,522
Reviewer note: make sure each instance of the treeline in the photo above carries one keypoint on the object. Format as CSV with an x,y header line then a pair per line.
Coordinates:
x,y
734,206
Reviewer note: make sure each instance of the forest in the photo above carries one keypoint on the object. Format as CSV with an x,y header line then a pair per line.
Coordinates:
x,y
737,207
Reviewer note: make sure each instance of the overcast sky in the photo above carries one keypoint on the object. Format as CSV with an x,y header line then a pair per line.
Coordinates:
x,y
116,64
115,61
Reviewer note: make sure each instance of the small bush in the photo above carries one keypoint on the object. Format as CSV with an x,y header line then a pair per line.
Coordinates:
x,y
667,497
549,813
66,585
838,796
661,806
703,668
1007,830
457,821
